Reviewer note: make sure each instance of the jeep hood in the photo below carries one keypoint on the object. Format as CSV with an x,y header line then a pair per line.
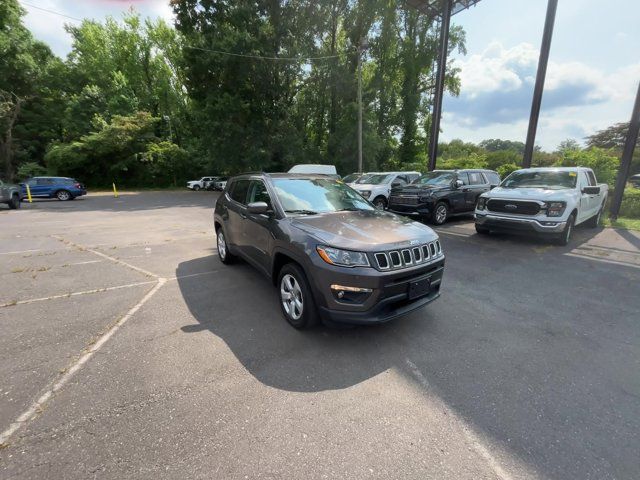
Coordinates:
x,y
364,230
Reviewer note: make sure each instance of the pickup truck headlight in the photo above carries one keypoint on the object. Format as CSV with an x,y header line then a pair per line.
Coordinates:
x,y
342,258
365,193
482,203
555,209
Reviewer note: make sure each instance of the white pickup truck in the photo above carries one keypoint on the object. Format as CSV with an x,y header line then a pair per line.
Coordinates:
x,y
547,201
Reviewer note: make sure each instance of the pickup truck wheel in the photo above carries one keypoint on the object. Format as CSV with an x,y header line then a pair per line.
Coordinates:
x,y
594,222
196,188
223,250
380,203
440,213
296,300
63,195
14,203
482,230
565,236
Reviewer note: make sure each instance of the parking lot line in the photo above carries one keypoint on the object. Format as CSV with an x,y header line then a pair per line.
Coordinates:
x,y
17,252
603,260
473,439
75,294
37,405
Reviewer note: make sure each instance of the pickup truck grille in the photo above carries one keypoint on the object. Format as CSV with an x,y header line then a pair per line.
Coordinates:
x,y
513,206
407,257
404,199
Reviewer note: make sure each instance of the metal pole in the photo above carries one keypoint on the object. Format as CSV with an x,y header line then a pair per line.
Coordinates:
x,y
360,108
540,78
437,97
627,154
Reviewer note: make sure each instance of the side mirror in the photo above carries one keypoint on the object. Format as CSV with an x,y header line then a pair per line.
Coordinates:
x,y
491,187
396,184
459,183
258,208
591,190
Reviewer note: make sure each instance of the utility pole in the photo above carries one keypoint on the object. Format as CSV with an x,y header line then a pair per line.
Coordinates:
x,y
363,45
627,154
442,70
540,78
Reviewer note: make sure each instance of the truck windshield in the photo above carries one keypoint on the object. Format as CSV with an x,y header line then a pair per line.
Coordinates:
x,y
313,195
374,179
434,178
549,179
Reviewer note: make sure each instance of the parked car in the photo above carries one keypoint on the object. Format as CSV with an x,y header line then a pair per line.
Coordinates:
x,y
201,184
545,201
438,195
329,252
635,180
219,184
376,186
62,188
10,194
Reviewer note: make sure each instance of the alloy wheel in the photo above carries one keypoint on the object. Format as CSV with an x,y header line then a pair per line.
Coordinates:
x,y
222,245
291,296
441,214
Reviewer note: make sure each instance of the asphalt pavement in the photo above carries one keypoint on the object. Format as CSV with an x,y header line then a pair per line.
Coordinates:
x,y
127,350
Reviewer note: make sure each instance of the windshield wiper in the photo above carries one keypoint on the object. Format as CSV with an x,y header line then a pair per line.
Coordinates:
x,y
302,211
349,209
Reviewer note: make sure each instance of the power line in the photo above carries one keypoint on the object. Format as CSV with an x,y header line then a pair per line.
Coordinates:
x,y
261,57
51,11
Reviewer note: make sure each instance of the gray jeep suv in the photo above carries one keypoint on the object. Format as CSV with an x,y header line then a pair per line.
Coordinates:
x,y
330,253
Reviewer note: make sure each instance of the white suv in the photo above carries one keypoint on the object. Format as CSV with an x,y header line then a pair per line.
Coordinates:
x,y
376,186
200,184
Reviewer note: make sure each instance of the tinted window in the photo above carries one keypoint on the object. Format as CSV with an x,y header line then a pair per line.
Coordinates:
x,y
376,179
258,193
494,178
239,191
464,177
401,179
44,181
476,178
551,179
592,179
435,178
303,195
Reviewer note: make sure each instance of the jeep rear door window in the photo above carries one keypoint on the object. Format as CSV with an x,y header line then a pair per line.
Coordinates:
x,y
552,180
435,178
239,192
310,195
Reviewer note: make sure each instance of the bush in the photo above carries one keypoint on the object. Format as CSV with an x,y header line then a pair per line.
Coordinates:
x,y
473,160
30,169
630,207
505,170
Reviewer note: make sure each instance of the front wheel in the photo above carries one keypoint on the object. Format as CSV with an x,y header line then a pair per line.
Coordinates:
x,y
440,213
196,188
63,195
380,203
565,236
296,300
14,203
223,249
594,222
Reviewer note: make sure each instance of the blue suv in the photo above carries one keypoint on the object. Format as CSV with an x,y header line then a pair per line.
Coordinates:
x,y
62,188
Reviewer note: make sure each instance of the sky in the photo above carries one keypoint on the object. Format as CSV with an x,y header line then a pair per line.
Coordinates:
x,y
592,78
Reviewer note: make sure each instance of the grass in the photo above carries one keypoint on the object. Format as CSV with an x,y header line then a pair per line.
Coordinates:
x,y
626,223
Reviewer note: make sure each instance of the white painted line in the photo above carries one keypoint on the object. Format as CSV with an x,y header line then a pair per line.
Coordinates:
x,y
85,263
108,257
74,294
37,405
473,439
193,275
603,260
20,251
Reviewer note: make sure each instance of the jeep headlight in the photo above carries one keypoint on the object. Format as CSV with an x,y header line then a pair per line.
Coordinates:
x,y
343,258
482,203
365,193
555,209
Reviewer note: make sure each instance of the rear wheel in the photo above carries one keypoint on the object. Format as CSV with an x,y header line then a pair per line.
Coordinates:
x,y
296,300
63,195
223,249
14,203
565,236
594,222
440,213
380,202
196,188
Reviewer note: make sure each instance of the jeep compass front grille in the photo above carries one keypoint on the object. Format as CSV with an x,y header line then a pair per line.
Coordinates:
x,y
407,257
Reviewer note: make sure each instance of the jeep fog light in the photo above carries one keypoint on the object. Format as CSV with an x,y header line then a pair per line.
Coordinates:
x,y
347,294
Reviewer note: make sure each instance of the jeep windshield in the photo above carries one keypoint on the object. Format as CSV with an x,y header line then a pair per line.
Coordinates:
x,y
550,180
374,179
308,196
435,178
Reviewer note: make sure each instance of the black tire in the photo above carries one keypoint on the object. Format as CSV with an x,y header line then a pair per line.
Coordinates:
x,y
63,195
565,236
480,230
224,254
14,203
300,309
594,222
380,202
440,213
196,188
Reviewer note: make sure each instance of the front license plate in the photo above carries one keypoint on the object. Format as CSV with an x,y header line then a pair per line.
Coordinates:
x,y
419,288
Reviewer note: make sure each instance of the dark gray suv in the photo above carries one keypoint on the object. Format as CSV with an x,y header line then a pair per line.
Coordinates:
x,y
330,253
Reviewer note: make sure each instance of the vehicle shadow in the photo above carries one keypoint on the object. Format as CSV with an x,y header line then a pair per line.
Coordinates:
x,y
241,307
